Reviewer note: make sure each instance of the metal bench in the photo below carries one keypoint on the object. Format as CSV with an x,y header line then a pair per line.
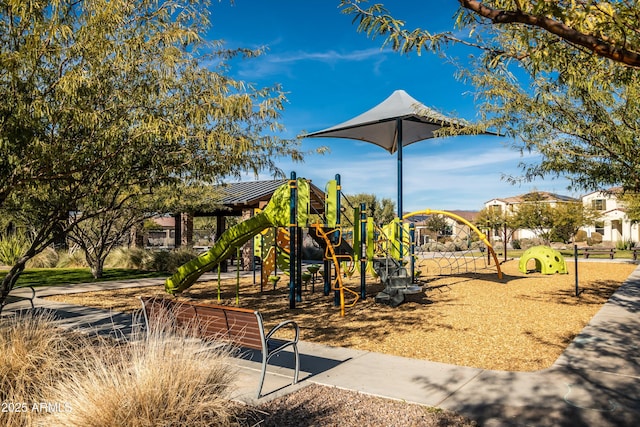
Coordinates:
x,y
17,295
240,326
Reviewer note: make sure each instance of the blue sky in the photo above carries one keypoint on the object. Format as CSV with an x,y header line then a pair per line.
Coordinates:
x,y
332,73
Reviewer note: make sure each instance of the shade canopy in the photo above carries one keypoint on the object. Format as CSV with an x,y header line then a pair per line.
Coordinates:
x,y
396,122
380,125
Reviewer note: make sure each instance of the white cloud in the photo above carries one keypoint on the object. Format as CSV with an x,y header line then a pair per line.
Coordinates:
x,y
330,56
272,64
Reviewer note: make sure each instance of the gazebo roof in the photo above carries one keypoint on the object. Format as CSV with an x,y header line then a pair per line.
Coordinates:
x,y
238,196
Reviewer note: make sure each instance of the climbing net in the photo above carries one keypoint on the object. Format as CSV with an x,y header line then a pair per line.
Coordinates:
x,y
464,250
449,258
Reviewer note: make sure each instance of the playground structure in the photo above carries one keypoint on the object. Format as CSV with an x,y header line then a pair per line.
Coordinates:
x,y
359,245
548,260
288,207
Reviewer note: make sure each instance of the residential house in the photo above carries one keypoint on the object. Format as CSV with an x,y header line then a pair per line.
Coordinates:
x,y
511,205
613,224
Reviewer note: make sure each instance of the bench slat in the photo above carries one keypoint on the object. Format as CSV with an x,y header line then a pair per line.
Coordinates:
x,y
240,326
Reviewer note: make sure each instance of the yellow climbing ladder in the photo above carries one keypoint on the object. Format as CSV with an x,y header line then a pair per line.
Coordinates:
x,y
330,253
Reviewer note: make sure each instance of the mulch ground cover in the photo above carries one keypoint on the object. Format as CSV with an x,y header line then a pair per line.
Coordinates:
x,y
521,322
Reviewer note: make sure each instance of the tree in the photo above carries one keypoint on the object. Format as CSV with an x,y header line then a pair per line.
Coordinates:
x,y
557,222
536,216
498,220
607,29
110,223
632,204
560,78
113,94
382,210
438,225
568,218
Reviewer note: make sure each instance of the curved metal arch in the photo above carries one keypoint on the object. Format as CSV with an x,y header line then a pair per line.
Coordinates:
x,y
464,221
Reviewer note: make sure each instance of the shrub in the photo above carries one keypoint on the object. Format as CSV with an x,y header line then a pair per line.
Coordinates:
x,y
595,239
461,244
434,246
158,260
71,258
34,356
450,246
475,245
529,243
160,379
498,246
623,245
178,257
12,247
48,258
122,257
515,244
581,236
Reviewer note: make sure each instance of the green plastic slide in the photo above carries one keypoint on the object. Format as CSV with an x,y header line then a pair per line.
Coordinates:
x,y
275,214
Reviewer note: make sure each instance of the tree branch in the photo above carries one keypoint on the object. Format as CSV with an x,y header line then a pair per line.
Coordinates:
x,y
565,32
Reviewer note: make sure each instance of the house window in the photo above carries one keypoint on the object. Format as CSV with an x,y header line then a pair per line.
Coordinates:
x,y
600,227
496,209
599,204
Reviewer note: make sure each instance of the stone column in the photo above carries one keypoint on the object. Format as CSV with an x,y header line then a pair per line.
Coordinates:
x,y
184,229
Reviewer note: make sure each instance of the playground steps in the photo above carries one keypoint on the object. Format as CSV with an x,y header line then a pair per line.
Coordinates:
x,y
396,280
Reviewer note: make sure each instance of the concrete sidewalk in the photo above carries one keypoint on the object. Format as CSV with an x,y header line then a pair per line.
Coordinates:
x,y
596,381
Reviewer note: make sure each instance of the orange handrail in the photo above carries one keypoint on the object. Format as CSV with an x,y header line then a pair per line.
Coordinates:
x,y
330,253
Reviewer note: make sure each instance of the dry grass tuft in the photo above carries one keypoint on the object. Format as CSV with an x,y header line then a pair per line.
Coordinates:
x,y
34,355
164,378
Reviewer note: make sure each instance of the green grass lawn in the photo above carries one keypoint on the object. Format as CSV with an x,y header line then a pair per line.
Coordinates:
x,y
67,276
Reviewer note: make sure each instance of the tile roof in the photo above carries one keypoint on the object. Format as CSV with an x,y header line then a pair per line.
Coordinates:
x,y
544,196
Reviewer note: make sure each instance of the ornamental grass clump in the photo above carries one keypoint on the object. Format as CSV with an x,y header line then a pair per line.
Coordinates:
x,y
34,356
163,378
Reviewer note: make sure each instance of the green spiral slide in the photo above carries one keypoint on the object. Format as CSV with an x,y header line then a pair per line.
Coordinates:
x,y
275,214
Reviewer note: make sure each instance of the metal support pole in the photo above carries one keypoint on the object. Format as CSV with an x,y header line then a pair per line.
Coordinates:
x,y
292,240
575,262
400,208
326,276
363,251
238,252
298,264
262,255
336,235
412,239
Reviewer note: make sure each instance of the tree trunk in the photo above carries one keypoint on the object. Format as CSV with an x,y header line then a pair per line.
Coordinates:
x,y
97,269
96,261
9,281
505,240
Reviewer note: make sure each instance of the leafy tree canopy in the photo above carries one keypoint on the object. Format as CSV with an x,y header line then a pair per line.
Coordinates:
x,y
561,78
118,96
605,28
382,210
